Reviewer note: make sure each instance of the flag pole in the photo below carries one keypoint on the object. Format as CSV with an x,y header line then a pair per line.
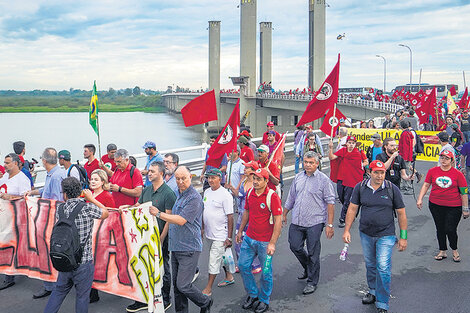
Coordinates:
x,y
230,170
98,124
334,119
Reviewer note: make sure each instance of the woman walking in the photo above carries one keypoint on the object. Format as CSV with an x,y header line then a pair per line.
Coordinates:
x,y
447,202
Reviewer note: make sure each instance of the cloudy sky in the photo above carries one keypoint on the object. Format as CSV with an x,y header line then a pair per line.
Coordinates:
x,y
61,44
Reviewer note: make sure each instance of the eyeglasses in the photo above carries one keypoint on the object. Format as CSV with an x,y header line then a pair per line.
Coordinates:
x,y
445,157
168,162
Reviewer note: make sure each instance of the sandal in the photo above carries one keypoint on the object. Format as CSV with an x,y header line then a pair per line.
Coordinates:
x,y
456,258
226,283
440,257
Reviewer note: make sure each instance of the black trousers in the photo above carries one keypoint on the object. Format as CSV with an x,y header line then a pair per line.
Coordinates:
x,y
167,276
446,220
310,259
344,195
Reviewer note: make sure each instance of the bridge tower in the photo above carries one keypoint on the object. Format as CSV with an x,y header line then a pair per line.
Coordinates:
x,y
265,53
316,50
214,66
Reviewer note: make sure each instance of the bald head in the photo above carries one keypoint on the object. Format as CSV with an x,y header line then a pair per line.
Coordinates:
x,y
183,178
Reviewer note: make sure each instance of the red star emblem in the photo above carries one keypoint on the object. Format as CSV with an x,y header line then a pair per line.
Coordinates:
x,y
133,236
140,211
147,285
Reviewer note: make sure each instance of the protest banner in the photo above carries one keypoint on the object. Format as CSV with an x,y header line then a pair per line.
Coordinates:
x,y
429,138
126,248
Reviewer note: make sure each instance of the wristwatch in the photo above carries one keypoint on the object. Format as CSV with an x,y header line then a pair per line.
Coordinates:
x,y
158,214
330,225
229,239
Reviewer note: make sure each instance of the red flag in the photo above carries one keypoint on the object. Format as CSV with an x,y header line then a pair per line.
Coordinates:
x,y
420,93
414,100
200,110
371,90
323,99
452,91
331,121
395,94
227,140
276,156
428,107
464,100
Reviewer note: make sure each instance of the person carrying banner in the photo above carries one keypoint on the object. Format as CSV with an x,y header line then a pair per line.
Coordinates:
x,y
312,202
264,228
185,243
378,201
347,169
126,182
28,167
82,277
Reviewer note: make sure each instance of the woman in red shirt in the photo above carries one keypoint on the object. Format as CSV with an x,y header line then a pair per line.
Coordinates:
x,y
447,202
98,184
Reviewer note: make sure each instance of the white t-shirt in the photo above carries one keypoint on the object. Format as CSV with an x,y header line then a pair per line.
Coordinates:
x,y
237,171
74,172
217,205
16,186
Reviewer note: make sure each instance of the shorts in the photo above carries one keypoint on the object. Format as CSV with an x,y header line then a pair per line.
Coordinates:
x,y
216,253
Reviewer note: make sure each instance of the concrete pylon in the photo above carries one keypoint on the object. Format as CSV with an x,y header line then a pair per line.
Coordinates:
x,y
316,51
214,65
248,59
265,52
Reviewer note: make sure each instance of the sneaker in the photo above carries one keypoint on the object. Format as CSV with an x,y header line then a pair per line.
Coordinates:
x,y
381,310
137,306
196,275
368,299
256,270
341,224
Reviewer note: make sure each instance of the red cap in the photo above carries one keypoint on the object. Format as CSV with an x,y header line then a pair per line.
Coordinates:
x,y
270,124
245,133
262,172
253,164
352,138
377,166
21,158
447,153
309,126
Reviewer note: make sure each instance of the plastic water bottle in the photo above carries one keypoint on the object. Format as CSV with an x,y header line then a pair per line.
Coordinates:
x,y
344,252
267,264
229,261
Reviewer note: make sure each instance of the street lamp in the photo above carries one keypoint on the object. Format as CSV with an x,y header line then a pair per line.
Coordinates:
x,y
411,60
385,70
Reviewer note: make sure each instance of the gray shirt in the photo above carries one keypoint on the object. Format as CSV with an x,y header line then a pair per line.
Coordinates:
x,y
308,198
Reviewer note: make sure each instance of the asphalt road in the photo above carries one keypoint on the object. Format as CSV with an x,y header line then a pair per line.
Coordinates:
x,y
419,283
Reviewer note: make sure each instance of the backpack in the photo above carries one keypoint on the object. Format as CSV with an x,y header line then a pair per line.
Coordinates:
x,y
84,179
268,202
65,248
388,187
419,147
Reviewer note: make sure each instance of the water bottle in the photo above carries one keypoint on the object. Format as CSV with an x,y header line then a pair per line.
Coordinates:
x,y
344,252
267,264
229,262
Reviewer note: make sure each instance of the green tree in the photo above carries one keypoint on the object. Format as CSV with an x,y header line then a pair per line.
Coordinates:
x,y
136,91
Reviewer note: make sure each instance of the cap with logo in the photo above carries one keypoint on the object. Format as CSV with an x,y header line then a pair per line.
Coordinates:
x,y
270,124
149,144
447,153
377,166
263,148
262,172
351,138
214,172
252,164
65,155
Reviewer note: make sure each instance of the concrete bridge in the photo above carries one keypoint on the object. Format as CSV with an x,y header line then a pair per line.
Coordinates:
x,y
283,110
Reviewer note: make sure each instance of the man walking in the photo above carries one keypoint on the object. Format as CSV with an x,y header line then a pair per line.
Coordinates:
x,y
394,163
185,243
82,277
126,182
263,214
406,147
270,127
312,202
375,148
150,149
379,201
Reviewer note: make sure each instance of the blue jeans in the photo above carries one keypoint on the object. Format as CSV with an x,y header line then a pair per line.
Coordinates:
x,y
82,278
297,163
378,258
248,252
466,134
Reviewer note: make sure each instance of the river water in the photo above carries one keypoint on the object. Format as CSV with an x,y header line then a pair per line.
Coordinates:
x,y
71,131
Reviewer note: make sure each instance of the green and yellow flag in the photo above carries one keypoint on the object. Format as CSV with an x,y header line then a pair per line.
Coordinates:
x,y
451,106
93,112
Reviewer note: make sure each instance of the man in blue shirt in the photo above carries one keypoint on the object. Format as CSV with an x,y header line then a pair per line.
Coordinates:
x,y
152,156
375,148
185,243
52,190
171,162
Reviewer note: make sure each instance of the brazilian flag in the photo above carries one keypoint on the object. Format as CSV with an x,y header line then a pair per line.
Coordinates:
x,y
93,112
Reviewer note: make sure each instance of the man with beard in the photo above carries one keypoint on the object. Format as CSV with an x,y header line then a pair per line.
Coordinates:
x,y
171,162
394,163
150,149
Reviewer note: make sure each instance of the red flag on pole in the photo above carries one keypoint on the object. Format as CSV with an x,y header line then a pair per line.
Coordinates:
x,y
331,123
428,107
452,91
464,100
276,156
227,140
200,110
323,99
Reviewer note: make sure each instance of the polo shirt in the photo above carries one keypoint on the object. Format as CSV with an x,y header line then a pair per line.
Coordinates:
x,y
123,179
393,173
377,217
188,236
259,227
53,185
109,162
246,154
163,199
275,170
90,167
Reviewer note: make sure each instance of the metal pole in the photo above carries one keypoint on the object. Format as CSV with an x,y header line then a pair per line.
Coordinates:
x,y
464,83
419,84
385,71
411,61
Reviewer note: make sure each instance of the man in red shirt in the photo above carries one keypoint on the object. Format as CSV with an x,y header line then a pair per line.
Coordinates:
x,y
126,182
347,169
92,163
246,154
273,170
406,148
263,215
107,161
270,126
272,142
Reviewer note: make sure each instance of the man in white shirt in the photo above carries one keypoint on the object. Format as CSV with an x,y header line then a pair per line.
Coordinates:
x,y
65,161
218,227
12,186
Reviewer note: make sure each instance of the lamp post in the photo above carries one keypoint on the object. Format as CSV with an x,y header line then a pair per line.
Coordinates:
x,y
385,70
411,61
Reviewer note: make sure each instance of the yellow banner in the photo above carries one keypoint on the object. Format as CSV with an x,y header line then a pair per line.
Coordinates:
x,y
431,142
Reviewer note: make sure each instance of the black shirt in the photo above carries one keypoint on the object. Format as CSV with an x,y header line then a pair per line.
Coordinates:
x,y
377,216
393,173
465,124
